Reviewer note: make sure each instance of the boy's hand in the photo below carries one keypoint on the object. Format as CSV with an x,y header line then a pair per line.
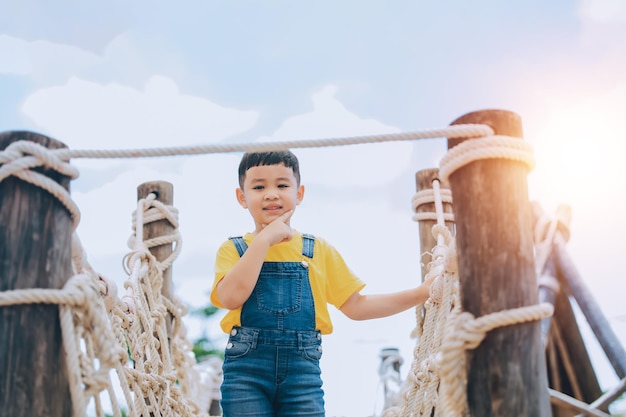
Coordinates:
x,y
278,230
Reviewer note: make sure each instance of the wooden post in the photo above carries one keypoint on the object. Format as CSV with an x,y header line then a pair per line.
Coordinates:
x,y
164,192
570,370
424,181
597,321
35,252
494,237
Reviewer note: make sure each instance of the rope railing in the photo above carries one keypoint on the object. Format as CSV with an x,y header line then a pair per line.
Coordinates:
x,y
457,131
20,158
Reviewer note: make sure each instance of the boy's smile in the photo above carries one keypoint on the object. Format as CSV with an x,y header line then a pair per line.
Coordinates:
x,y
268,192
273,209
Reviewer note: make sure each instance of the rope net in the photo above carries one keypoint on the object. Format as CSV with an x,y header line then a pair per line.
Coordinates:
x,y
139,341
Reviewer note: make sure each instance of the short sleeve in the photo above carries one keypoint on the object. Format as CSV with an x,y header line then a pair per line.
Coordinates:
x,y
225,259
341,281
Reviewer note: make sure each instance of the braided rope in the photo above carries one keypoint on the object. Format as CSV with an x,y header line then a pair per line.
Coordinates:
x,y
83,319
141,316
427,196
466,332
491,147
161,365
155,375
456,131
19,159
419,395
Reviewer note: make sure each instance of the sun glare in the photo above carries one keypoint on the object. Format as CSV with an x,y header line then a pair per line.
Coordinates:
x,y
579,157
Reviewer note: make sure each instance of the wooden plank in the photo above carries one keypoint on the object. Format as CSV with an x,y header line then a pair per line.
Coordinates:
x,y
608,397
562,400
576,374
35,252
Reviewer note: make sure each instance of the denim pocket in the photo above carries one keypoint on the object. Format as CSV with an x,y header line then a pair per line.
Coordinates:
x,y
236,349
280,292
312,352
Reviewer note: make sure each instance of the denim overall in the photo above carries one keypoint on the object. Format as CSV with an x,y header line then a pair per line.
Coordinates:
x,y
271,362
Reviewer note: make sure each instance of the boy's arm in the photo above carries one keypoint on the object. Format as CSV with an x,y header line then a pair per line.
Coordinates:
x,y
237,285
365,307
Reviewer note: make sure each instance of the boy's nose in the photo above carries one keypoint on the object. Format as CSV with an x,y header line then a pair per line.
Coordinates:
x,y
271,195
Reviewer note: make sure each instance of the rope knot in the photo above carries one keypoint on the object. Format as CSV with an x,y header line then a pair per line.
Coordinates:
x,y
20,157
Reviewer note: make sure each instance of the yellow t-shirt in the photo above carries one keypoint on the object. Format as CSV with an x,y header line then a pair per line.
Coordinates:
x,y
331,279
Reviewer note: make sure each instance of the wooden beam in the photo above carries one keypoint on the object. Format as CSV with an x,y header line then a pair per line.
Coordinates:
x,y
562,400
600,326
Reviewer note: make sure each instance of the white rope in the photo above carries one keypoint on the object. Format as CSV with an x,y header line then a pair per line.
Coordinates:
x,y
419,394
156,379
455,131
83,320
20,158
491,147
466,332
427,196
146,273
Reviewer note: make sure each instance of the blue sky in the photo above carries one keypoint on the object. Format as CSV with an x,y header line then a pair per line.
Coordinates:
x,y
136,74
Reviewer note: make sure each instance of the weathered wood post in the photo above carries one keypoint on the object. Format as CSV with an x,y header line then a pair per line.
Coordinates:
x,y
424,181
569,366
35,252
494,237
601,327
164,192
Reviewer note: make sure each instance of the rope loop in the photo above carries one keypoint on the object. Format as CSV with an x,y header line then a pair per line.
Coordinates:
x,y
489,147
467,332
427,196
20,158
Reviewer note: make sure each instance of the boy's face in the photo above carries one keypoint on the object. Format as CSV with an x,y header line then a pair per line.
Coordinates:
x,y
268,192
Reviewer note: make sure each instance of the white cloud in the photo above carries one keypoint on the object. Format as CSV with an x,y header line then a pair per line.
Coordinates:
x,y
42,60
204,185
353,165
89,115
15,57
604,25
603,11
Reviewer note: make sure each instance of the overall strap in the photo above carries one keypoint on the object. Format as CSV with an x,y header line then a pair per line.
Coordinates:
x,y
240,244
308,245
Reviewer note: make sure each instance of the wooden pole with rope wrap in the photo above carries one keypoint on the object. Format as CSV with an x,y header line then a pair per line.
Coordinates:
x,y
424,181
506,373
35,252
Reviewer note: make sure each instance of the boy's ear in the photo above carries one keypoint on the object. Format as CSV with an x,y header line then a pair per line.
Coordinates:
x,y
300,194
241,198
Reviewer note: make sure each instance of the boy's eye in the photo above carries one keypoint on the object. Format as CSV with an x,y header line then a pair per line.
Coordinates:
x,y
283,186
258,187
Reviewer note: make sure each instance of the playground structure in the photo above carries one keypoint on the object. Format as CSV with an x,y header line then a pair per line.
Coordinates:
x,y
514,365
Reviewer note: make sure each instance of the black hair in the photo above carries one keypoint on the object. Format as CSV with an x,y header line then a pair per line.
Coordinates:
x,y
255,159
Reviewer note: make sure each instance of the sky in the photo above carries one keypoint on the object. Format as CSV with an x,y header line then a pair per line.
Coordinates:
x,y
146,74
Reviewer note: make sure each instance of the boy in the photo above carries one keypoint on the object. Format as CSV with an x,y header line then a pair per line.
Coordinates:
x,y
277,284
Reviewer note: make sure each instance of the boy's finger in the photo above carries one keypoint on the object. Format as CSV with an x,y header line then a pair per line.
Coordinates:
x,y
286,216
